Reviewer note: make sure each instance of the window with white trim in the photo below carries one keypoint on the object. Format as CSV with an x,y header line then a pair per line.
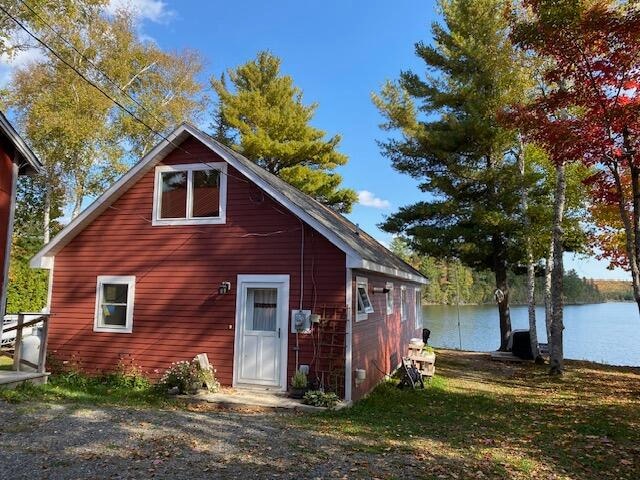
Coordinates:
x,y
419,321
364,306
191,194
389,298
404,304
114,304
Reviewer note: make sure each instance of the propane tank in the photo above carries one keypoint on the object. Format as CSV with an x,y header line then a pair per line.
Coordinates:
x,y
30,351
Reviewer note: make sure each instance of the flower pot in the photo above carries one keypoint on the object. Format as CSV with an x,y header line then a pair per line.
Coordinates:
x,y
298,393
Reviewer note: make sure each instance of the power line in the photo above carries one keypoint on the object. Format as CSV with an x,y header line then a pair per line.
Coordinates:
x,y
90,62
103,92
81,75
97,87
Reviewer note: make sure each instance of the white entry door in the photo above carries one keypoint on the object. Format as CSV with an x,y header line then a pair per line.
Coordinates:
x,y
261,331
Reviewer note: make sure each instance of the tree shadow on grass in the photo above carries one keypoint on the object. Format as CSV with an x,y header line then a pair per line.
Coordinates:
x,y
65,442
583,426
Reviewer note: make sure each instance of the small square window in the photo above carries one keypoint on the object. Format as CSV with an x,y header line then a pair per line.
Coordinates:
x,y
364,306
114,304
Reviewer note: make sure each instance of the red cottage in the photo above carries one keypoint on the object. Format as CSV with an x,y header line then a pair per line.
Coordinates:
x,y
15,159
197,249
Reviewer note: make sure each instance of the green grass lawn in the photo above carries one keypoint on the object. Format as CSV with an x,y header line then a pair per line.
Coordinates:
x,y
75,388
5,363
484,419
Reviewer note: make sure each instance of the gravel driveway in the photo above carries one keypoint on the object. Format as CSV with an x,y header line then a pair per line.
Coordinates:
x,y
70,442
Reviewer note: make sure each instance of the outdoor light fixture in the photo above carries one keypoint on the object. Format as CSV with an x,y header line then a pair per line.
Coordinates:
x,y
381,289
225,287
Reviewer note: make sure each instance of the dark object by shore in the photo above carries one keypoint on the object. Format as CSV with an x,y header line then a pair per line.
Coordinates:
x,y
521,344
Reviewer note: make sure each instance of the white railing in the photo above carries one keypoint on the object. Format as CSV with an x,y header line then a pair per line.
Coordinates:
x,y
15,329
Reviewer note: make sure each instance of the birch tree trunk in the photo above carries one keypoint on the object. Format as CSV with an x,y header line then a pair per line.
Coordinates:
x,y
46,222
548,309
531,272
557,324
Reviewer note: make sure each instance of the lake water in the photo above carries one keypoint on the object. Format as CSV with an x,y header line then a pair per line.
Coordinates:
x,y
603,332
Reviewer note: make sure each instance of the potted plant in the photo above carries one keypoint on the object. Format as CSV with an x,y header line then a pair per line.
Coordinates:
x,y
299,384
429,354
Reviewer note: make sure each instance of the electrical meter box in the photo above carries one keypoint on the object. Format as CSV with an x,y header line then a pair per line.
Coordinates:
x,y
301,321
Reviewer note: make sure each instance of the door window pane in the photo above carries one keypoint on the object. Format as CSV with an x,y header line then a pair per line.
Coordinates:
x,y
262,306
206,193
173,203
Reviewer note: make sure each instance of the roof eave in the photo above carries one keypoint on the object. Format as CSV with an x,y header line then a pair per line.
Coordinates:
x,y
359,263
32,164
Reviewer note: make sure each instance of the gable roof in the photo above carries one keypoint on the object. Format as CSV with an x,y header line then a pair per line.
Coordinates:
x,y
362,250
29,163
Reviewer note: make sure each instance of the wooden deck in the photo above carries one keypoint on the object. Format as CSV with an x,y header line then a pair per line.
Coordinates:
x,y
11,379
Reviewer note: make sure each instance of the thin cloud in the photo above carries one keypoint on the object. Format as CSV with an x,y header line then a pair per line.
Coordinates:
x,y
368,199
152,10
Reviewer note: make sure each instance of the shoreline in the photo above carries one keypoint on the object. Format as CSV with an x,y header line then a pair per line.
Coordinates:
x,y
573,304
635,368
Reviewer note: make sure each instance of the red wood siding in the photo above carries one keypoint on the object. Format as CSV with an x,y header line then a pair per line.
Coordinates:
x,y
178,312
6,194
381,340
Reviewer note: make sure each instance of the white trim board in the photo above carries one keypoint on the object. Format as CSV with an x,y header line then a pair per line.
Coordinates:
x,y
19,144
348,351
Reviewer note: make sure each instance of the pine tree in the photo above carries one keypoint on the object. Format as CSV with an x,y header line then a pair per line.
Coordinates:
x,y
265,112
452,141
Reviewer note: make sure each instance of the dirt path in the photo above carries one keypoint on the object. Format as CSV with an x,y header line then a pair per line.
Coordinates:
x,y
71,442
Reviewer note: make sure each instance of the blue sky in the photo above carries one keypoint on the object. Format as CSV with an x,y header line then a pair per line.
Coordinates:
x,y
338,53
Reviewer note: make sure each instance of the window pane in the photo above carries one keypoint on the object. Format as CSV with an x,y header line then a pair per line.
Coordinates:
x,y
174,195
114,293
262,309
114,315
206,193
364,305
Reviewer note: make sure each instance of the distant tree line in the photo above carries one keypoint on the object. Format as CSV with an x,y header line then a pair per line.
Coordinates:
x,y
448,277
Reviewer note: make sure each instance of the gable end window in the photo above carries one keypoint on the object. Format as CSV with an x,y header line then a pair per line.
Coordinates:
x,y
364,307
114,304
191,194
389,298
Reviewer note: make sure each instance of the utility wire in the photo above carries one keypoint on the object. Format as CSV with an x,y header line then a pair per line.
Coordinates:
x,y
94,85
97,87
90,62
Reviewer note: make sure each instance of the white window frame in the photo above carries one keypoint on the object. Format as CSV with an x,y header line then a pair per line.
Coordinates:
x,y
418,306
363,282
130,281
404,304
190,219
389,298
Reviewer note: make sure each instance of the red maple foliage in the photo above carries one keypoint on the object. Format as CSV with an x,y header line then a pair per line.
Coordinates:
x,y
588,108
